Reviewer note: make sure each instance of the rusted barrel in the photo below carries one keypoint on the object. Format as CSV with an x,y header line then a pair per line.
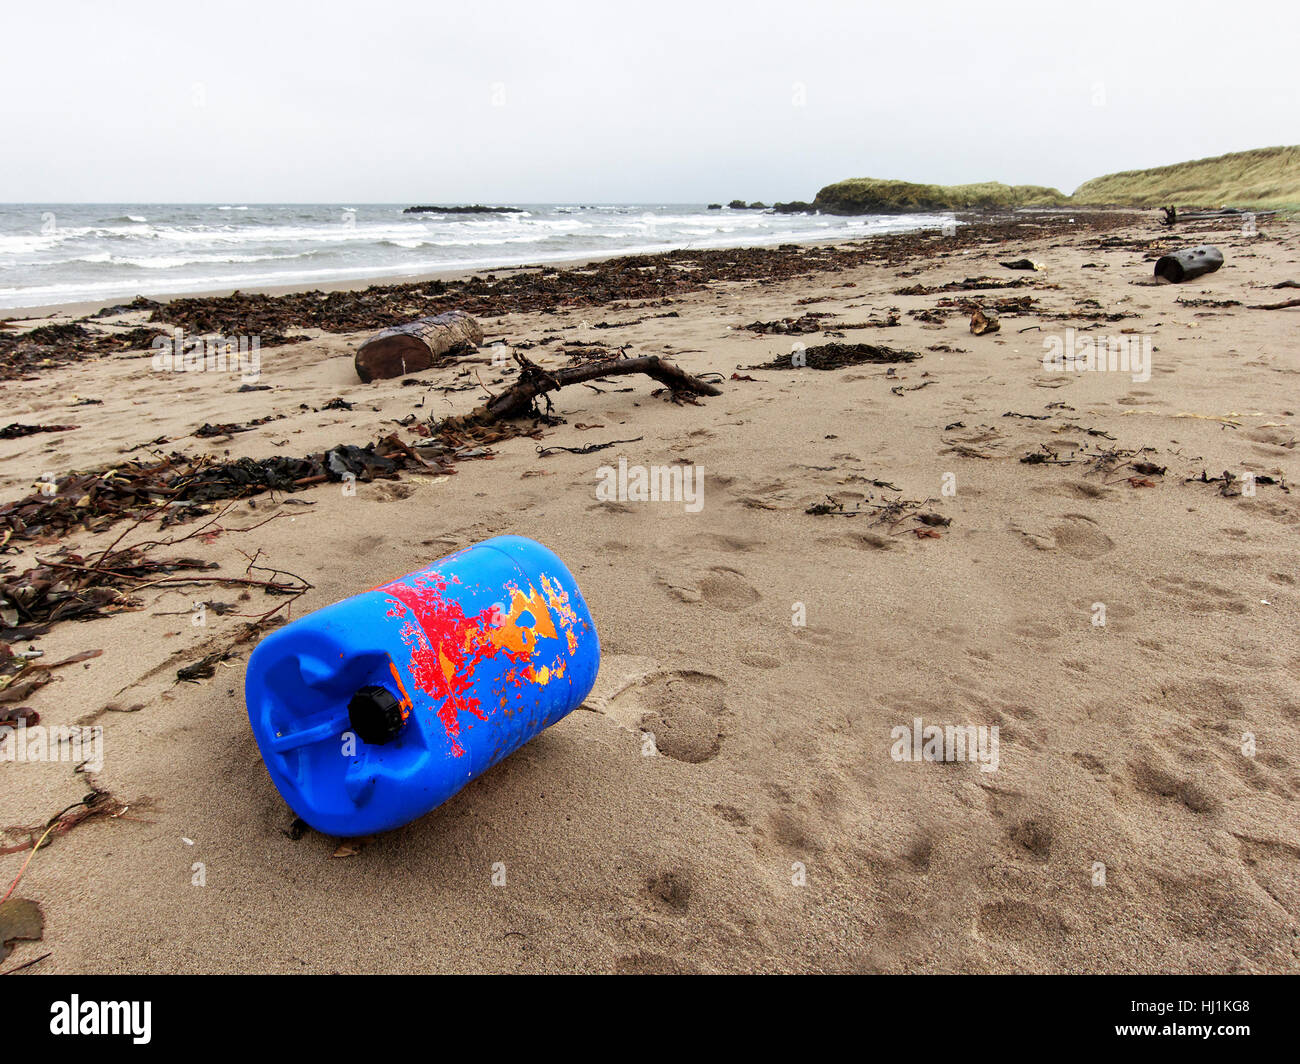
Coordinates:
x,y
1188,263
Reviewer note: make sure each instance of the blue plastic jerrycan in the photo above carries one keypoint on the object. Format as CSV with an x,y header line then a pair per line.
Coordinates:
x,y
377,709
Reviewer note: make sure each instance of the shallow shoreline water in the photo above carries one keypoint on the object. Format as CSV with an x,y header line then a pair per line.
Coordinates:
x,y
55,254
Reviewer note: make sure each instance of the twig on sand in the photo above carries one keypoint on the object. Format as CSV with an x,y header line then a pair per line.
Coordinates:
x,y
28,964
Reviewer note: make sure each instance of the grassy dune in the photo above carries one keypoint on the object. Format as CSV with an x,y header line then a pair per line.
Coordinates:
x,y
1264,177
865,195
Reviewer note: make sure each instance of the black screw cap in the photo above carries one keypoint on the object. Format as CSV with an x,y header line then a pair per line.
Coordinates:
x,y
375,714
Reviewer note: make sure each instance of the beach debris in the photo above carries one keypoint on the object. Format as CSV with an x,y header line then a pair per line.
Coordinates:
x,y
1189,263
889,321
138,303
1003,305
899,389
1231,486
205,430
635,321
1171,216
177,487
1022,264
892,512
98,802
21,920
970,284
21,354
252,631
981,323
520,399
416,346
203,669
1284,305
77,588
17,431
838,356
808,323
591,448
927,315
1045,456
1209,303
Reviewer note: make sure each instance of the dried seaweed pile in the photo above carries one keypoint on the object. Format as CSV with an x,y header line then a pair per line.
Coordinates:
x,y
894,513
970,284
24,353
75,588
808,323
837,356
178,486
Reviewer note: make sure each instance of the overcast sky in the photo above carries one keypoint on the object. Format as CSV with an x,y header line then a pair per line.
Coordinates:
x,y
501,101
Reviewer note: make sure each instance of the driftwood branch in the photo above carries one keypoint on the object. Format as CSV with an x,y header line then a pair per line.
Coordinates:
x,y
534,382
1275,306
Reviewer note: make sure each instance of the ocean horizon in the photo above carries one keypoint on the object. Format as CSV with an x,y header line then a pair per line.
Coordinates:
x,y
82,252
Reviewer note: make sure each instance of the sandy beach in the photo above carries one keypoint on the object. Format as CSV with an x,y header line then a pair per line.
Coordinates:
x,y
967,538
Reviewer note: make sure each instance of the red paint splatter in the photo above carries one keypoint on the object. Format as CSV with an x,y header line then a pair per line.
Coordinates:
x,y
446,646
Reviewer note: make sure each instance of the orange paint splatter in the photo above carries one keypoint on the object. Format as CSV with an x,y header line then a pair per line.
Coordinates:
x,y
447,646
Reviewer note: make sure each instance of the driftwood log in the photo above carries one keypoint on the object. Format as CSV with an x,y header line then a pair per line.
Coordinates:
x,y
534,382
416,346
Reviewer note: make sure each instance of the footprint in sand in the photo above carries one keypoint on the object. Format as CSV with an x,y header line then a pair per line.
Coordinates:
x,y
721,587
1017,922
1080,537
1034,836
682,710
1155,777
1197,595
1077,489
868,541
718,541
728,590
1271,865
651,964
670,891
